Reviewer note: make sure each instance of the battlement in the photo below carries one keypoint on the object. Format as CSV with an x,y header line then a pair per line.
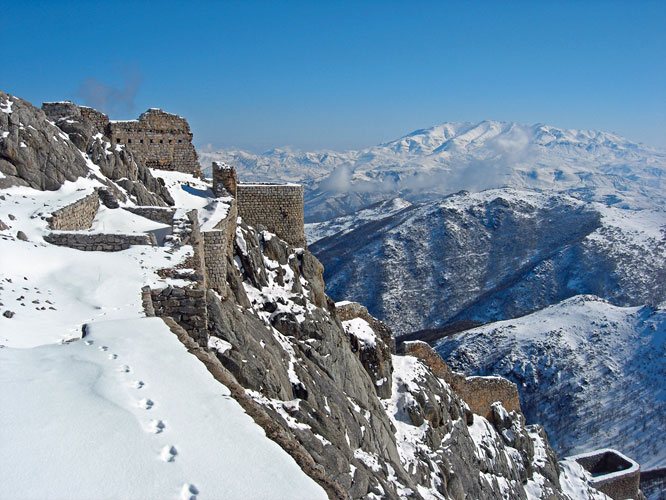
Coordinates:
x,y
276,207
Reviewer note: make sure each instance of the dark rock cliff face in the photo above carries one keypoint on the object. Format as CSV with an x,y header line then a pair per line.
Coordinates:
x,y
378,424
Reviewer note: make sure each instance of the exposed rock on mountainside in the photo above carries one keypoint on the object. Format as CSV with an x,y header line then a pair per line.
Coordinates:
x,y
33,151
319,380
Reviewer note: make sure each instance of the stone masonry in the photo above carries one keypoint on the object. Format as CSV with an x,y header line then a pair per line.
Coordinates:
x,y
75,216
159,140
276,207
100,242
478,392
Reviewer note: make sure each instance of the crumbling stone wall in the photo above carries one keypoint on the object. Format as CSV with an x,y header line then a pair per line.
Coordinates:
x,y
100,242
159,140
277,207
187,307
157,214
217,245
75,216
99,120
225,180
478,392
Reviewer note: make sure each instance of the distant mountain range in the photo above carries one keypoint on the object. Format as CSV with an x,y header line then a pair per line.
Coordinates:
x,y
428,163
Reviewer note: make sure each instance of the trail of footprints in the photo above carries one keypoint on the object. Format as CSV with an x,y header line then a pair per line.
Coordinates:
x,y
155,426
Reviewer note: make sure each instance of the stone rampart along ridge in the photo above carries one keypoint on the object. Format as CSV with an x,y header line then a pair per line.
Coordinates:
x,y
100,242
613,473
276,207
218,245
75,216
187,307
159,140
478,392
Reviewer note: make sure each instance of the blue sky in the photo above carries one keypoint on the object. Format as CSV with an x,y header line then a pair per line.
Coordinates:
x,y
340,75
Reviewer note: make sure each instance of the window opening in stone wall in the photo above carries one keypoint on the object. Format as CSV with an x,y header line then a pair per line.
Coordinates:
x,y
141,141
161,141
129,141
179,141
151,141
170,141
118,140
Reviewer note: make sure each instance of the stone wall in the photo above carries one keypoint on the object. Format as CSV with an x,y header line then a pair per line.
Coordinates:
x,y
277,207
478,392
99,120
225,180
100,242
217,245
159,140
75,216
157,214
613,473
187,307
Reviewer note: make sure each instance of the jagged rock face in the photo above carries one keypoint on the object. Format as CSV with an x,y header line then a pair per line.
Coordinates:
x,y
33,151
287,346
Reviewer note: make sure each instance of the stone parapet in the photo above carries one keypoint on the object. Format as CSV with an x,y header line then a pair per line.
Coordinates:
x,y
75,216
276,207
100,242
225,180
187,307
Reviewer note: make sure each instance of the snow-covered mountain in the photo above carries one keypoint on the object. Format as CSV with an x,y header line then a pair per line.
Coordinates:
x,y
592,372
490,256
428,163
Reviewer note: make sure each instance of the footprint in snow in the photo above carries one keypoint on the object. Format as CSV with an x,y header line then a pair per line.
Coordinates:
x,y
156,426
189,492
138,384
146,404
124,368
169,453
113,356
89,342
103,348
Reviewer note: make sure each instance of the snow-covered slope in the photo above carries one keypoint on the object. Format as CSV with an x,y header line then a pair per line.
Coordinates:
x,y
491,255
127,412
591,372
446,158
